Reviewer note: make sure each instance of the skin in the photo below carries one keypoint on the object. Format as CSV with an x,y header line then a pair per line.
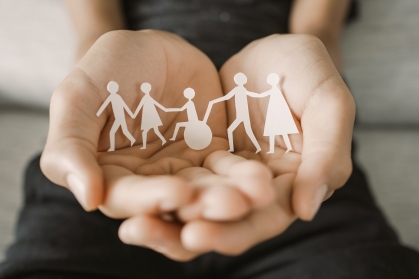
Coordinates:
x,y
324,112
223,202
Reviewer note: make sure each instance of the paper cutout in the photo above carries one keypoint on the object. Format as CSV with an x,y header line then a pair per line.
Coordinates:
x,y
150,118
198,134
240,94
279,120
118,107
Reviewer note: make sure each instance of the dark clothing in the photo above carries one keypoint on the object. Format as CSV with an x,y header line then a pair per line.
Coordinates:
x,y
220,28
349,238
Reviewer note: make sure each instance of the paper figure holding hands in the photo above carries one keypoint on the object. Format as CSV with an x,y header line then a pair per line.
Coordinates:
x,y
150,118
119,107
279,120
197,133
242,110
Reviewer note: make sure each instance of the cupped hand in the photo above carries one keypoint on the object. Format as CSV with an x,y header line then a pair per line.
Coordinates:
x,y
132,181
323,110
75,154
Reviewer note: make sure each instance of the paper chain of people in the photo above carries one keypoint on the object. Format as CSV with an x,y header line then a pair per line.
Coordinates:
x,y
197,134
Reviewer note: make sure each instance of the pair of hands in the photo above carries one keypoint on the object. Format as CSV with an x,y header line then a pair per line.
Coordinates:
x,y
225,202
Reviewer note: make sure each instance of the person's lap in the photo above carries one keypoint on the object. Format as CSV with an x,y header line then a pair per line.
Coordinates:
x,y
349,238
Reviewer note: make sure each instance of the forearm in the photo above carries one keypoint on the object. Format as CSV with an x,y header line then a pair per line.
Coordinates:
x,y
93,18
324,19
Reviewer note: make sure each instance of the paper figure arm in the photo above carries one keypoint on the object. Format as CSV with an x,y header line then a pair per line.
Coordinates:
x,y
139,108
211,103
258,95
185,106
166,109
128,110
176,109
173,109
104,105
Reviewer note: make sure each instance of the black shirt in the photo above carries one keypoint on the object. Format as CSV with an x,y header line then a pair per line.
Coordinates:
x,y
220,28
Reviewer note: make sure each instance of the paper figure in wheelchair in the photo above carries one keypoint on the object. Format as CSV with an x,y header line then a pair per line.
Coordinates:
x,y
198,134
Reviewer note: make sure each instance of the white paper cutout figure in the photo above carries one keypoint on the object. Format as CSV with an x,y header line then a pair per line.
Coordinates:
x,y
150,118
197,133
242,110
118,107
279,120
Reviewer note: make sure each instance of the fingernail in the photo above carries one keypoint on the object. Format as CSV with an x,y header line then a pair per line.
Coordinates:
x,y
78,188
168,205
319,196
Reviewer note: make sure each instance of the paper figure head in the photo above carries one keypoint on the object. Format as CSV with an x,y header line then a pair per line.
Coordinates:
x,y
240,79
189,93
273,79
146,87
113,87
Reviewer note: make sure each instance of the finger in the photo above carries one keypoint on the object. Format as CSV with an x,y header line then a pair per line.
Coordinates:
x,y
216,198
156,234
234,238
69,157
327,123
251,177
128,194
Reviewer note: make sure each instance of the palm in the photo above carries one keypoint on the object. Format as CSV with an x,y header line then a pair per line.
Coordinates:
x,y
170,65
306,77
323,110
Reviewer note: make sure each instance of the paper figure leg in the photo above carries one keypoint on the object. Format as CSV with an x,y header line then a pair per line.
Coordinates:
x,y
163,140
252,136
178,125
144,139
230,131
287,143
114,128
271,145
127,133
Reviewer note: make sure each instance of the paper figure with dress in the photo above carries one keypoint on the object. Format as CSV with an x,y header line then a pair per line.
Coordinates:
x,y
279,120
150,118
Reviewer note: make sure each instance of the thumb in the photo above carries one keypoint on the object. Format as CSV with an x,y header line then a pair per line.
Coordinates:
x,y
327,124
69,158
75,167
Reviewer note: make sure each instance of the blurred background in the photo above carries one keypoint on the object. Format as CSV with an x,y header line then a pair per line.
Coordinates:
x,y
381,52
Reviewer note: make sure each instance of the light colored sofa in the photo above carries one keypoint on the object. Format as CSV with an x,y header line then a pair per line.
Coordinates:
x,y
382,68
